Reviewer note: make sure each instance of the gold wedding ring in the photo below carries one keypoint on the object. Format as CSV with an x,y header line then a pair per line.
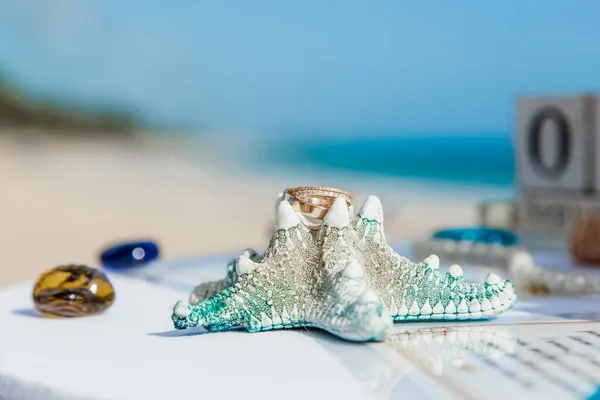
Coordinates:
x,y
315,201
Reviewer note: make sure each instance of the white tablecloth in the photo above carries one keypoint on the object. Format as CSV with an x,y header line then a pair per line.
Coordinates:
x,y
132,351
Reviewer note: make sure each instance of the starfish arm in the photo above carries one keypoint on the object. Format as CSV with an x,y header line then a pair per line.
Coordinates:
x,y
348,308
243,304
208,289
264,294
418,290
424,293
249,304
219,312
353,312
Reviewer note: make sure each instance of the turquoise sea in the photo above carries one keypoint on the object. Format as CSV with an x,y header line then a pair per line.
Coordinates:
x,y
485,159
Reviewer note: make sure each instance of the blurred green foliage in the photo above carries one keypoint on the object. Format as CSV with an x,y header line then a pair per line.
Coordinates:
x,y
20,111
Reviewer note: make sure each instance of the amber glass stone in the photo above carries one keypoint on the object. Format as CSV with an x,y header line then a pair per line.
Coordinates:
x,y
73,291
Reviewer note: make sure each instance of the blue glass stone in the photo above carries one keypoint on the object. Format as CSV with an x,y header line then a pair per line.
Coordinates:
x,y
479,235
131,254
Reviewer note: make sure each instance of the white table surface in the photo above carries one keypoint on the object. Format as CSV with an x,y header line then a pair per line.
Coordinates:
x,y
131,351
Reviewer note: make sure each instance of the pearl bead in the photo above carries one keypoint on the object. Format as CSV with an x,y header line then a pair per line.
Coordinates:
x,y
555,282
575,285
520,265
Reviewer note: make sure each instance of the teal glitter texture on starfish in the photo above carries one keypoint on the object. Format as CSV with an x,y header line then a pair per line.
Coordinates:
x,y
419,291
341,277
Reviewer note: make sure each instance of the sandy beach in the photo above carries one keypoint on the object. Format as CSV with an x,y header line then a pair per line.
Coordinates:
x,y
64,199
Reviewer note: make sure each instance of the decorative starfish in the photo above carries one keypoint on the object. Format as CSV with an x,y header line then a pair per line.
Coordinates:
x,y
407,290
296,283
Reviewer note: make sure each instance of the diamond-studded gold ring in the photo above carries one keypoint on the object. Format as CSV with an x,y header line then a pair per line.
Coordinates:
x,y
315,201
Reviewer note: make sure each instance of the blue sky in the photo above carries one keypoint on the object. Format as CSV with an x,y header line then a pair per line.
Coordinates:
x,y
273,66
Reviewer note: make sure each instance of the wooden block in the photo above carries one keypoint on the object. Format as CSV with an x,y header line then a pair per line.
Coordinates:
x,y
585,239
556,144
